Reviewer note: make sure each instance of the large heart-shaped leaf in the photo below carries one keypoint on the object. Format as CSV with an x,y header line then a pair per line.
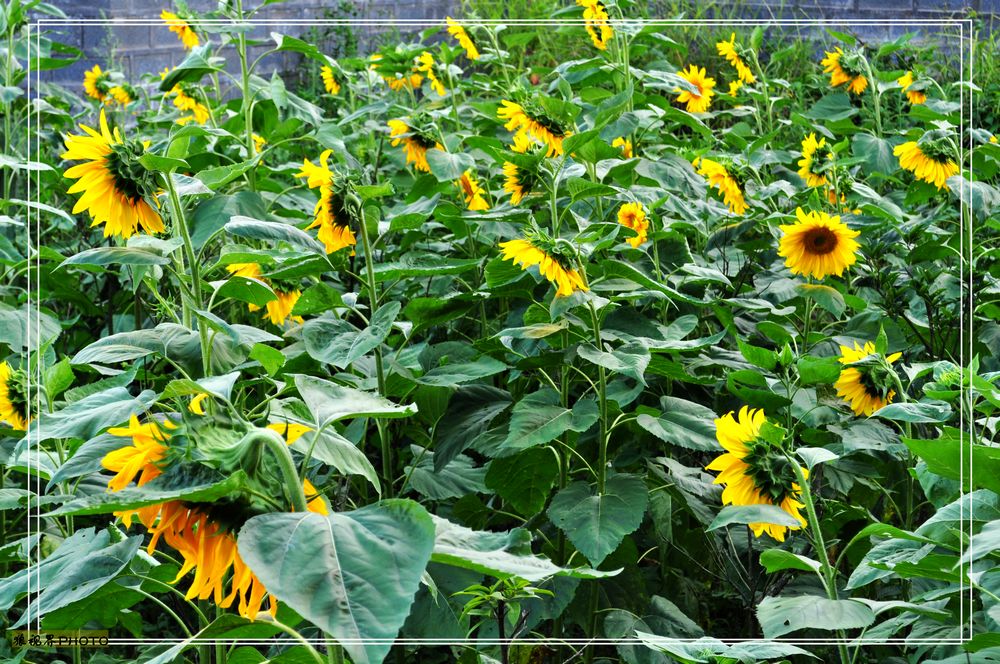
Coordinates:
x,y
539,418
353,574
781,615
329,402
596,523
336,341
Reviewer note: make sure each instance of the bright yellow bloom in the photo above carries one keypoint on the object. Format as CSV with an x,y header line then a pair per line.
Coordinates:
x,y
459,33
13,398
195,405
517,182
329,216
857,386
415,144
818,245
185,102
555,268
544,130
752,474
914,96
720,178
111,194
522,142
833,65
632,215
697,102
734,87
933,169
596,20
259,142
141,457
330,83
181,28
472,192
810,146
277,310
727,49
625,145
425,64
120,94
95,83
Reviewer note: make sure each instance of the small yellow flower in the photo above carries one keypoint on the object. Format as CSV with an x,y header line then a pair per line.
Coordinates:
x,y
195,405
860,386
460,35
425,64
185,102
915,97
926,165
415,144
472,192
121,95
13,398
330,83
597,22
697,102
95,83
753,474
835,65
734,87
329,214
625,145
721,179
556,268
259,142
810,146
181,28
632,215
141,457
727,49
818,245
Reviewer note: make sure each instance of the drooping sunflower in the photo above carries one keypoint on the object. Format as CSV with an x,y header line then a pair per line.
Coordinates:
x,y
754,473
184,100
330,83
396,81
728,50
425,64
810,146
276,311
462,37
719,177
915,97
96,83
845,68
552,262
818,245
141,458
123,94
115,185
181,28
518,182
415,144
472,191
330,215
13,398
522,142
697,102
625,145
632,215
597,22
928,160
865,387
537,124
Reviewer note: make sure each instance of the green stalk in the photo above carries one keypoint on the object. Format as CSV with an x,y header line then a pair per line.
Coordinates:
x,y
279,448
876,97
247,105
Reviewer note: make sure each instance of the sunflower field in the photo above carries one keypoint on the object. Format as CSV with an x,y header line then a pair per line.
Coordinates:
x,y
592,339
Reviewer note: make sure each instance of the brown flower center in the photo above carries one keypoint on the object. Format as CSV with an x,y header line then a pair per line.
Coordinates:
x,y
820,241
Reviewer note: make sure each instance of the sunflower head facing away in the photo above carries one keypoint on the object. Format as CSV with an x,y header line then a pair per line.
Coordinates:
x,y
96,83
632,215
700,99
426,65
916,95
625,145
818,245
518,181
338,210
726,178
807,165
13,397
533,120
181,28
755,471
416,143
330,83
596,20
929,159
865,381
731,51
472,192
115,185
554,260
462,37
846,68
122,94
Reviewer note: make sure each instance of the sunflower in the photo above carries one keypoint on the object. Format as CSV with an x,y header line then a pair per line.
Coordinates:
x,y
425,64
734,87
330,215
259,142
180,27
929,162
460,35
415,144
95,83
810,146
397,82
184,101
625,145
845,68
277,310
865,387
518,182
206,546
115,185
720,178
539,126
122,94
596,20
554,265
754,473
632,215
727,49
13,398
818,245
330,83
472,192
915,97
522,142
697,102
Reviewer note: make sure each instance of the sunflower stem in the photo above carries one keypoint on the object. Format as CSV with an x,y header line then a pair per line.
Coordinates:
x,y
876,98
279,448
241,47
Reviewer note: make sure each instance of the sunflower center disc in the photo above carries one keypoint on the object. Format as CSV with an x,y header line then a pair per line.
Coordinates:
x,y
821,241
